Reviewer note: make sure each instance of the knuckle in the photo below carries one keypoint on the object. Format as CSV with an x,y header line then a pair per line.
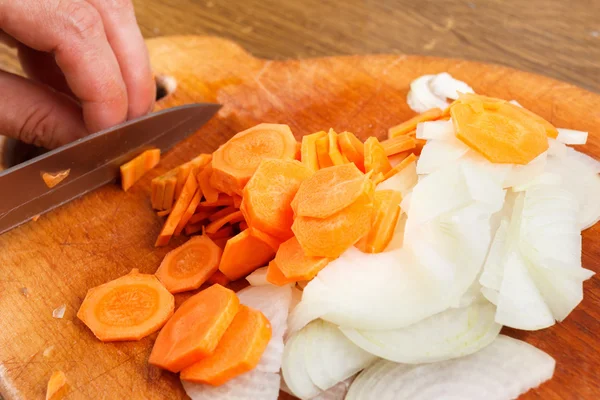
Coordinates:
x,y
81,19
39,127
118,5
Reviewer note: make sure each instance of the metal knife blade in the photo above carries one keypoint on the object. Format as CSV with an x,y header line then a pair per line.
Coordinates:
x,y
93,161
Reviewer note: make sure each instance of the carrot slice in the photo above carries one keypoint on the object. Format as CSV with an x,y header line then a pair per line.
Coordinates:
x,y
336,156
272,241
329,190
235,162
398,144
52,179
275,276
181,206
187,215
331,236
128,308
219,278
387,210
244,253
294,264
375,158
190,265
217,224
195,329
411,124
322,148
403,164
269,193
352,148
133,170
499,131
204,180
239,350
309,150
57,386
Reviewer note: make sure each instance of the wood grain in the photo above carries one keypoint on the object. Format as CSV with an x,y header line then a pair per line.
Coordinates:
x,y
108,232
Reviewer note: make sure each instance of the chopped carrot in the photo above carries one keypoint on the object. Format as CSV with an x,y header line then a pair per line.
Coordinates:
x,y
180,208
239,350
57,386
244,253
217,224
322,147
397,158
398,144
403,164
199,217
195,329
237,201
352,148
294,264
329,190
52,179
132,171
498,130
387,210
235,162
222,213
219,278
189,265
35,218
225,232
222,200
243,226
335,155
272,241
204,180
222,242
169,193
411,124
190,167
161,200
128,308
375,158
189,212
190,229
163,213
269,193
331,236
309,150
275,276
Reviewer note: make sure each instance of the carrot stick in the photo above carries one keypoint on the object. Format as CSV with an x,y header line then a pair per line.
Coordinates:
x,y
397,158
232,218
294,264
403,164
199,217
239,350
387,210
190,229
336,156
195,329
184,200
57,386
188,212
398,144
244,253
352,148
189,265
190,167
375,158
411,124
132,171
222,200
275,276
235,162
157,192
169,193
52,179
309,150
225,232
222,213
322,147
219,278
128,308
210,193
269,193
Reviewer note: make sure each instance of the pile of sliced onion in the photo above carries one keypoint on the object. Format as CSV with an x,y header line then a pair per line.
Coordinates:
x,y
430,91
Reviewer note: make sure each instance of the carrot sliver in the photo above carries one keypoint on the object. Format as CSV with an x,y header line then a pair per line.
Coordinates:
x,y
217,224
294,264
275,276
199,217
187,194
57,386
204,177
309,150
52,179
222,213
222,200
225,232
244,253
189,212
352,148
235,162
399,167
398,144
239,350
329,190
219,278
411,124
387,210
335,155
195,329
190,265
128,308
133,170
322,148
375,158
269,193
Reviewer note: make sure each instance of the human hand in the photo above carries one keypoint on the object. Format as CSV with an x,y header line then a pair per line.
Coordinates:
x,y
87,65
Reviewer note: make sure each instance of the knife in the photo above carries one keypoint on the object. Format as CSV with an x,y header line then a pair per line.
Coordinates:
x,y
93,160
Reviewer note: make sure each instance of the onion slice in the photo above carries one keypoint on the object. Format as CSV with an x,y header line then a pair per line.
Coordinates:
x,y
571,136
252,385
258,277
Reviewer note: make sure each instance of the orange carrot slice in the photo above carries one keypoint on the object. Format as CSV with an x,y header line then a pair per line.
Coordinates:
x,y
132,171
403,164
387,210
219,278
411,124
128,308
309,150
244,253
225,232
331,236
294,264
57,386
217,224
190,265
235,162
239,350
275,276
52,179
352,148
322,147
272,241
269,193
329,190
189,212
375,158
398,144
195,329
181,206
336,156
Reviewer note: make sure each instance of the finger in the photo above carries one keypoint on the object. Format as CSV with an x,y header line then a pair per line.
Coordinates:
x,y
36,114
73,31
41,67
130,49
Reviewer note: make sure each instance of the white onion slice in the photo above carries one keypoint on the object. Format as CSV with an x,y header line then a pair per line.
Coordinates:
x,y
252,385
501,371
337,392
403,182
515,103
420,97
522,174
571,136
493,268
294,369
398,236
445,86
439,153
435,130
258,277
453,333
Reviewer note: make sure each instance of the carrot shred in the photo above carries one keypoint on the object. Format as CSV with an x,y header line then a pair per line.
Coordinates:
x,y
403,164
204,180
217,224
181,206
269,193
222,200
411,124
195,329
375,158
322,147
57,386
219,278
244,253
309,150
222,213
239,350
224,233
398,144
275,276
352,148
387,210
133,170
128,308
235,162
52,179
335,155
294,264
189,212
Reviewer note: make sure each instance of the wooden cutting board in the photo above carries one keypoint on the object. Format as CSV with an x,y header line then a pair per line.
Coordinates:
x,y
106,233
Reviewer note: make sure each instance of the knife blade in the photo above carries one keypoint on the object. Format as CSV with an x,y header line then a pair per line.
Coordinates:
x,y
93,160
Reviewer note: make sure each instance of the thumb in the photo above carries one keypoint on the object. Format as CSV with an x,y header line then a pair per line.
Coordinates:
x,y
36,114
